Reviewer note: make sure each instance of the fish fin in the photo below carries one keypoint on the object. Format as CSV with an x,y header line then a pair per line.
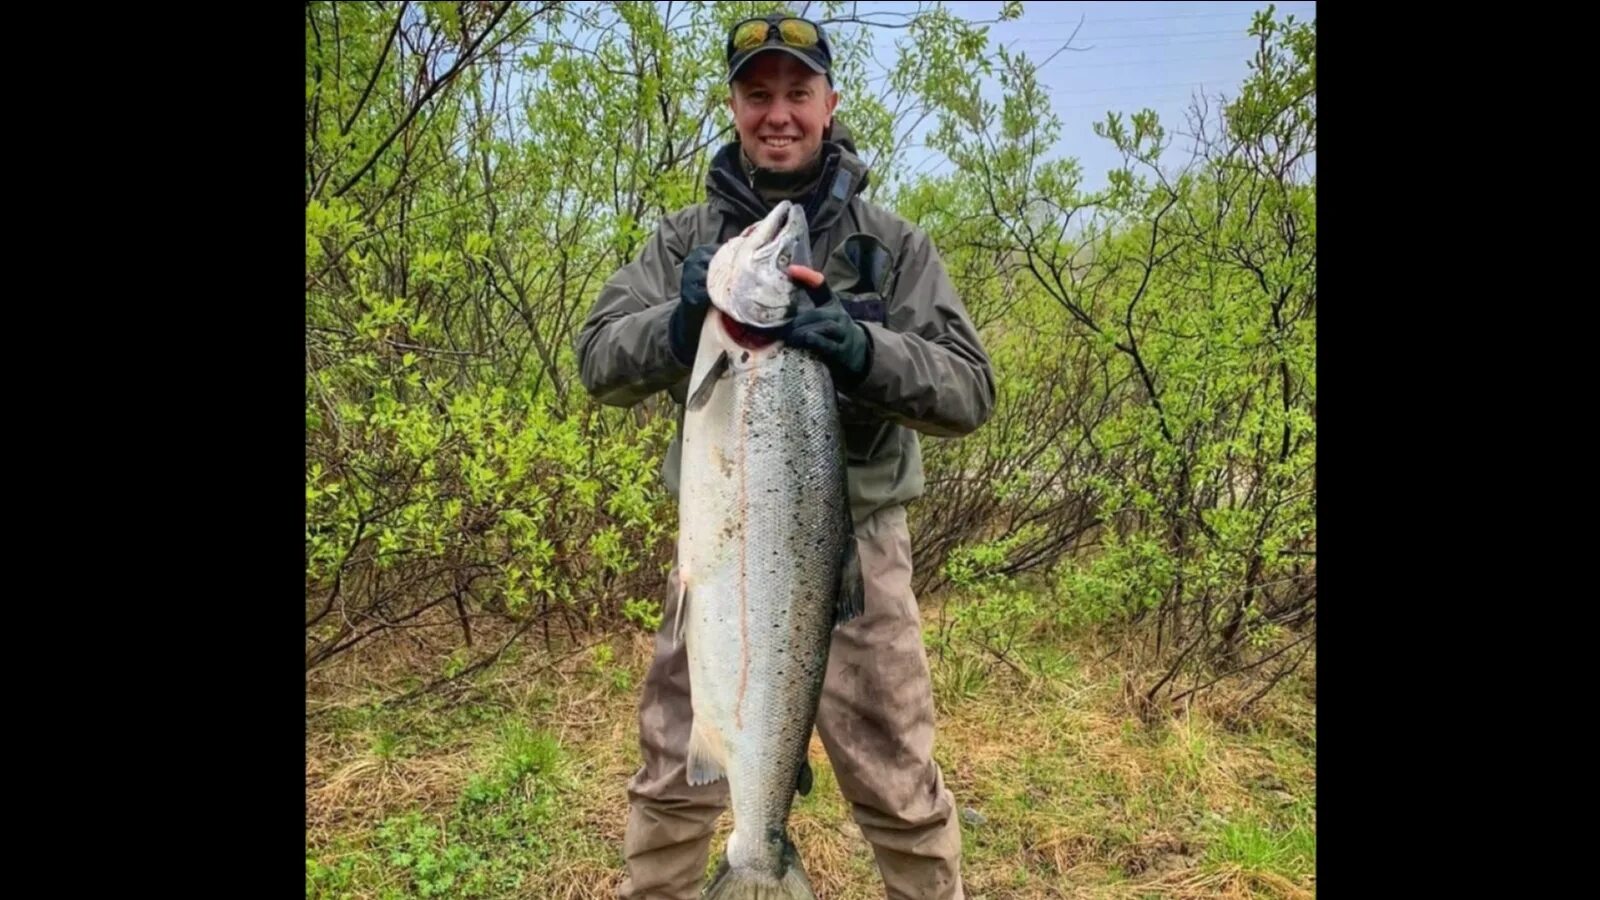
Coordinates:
x,y
851,597
728,883
806,779
702,393
708,755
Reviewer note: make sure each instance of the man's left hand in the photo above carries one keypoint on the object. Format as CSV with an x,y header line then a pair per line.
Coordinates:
x,y
829,332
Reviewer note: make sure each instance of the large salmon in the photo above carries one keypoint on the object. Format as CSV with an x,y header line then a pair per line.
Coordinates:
x,y
766,551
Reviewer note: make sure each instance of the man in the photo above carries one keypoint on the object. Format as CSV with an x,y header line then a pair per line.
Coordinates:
x,y
905,358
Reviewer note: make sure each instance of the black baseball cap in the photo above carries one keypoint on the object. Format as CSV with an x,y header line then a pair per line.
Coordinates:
x,y
801,38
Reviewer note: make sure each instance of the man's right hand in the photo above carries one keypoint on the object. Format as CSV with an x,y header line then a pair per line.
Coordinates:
x,y
693,302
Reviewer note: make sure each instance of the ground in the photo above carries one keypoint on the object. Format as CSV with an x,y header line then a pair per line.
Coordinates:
x,y
513,786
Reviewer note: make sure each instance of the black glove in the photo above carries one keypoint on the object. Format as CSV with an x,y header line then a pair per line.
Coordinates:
x,y
830,333
683,329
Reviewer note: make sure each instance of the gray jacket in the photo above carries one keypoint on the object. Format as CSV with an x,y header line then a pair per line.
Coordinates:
x,y
929,372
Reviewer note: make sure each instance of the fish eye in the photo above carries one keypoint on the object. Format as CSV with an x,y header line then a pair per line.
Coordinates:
x,y
783,259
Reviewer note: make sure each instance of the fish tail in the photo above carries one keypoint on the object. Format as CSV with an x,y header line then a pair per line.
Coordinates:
x,y
746,884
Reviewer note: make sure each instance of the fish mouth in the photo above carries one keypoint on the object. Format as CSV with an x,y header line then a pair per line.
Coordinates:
x,y
764,231
783,240
783,237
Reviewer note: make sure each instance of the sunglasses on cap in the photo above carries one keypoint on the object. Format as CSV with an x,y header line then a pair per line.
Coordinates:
x,y
752,33
798,37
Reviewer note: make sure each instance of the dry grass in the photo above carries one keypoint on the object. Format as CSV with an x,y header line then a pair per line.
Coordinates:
x,y
1076,799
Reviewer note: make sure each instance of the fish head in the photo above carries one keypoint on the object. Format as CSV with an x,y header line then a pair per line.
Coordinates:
x,y
749,278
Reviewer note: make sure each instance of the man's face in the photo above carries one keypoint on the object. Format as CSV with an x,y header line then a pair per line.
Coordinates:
x,y
780,109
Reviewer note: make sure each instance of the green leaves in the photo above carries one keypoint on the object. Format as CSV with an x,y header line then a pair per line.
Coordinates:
x,y
1169,320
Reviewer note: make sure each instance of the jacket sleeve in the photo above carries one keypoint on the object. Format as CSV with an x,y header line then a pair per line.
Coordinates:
x,y
623,350
927,369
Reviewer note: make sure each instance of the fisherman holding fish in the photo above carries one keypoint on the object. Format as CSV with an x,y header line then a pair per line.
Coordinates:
x,y
880,313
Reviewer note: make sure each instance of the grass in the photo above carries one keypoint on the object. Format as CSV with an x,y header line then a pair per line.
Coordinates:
x,y
516,789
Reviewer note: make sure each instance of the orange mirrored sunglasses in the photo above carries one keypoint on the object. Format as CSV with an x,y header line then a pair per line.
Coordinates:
x,y
755,32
